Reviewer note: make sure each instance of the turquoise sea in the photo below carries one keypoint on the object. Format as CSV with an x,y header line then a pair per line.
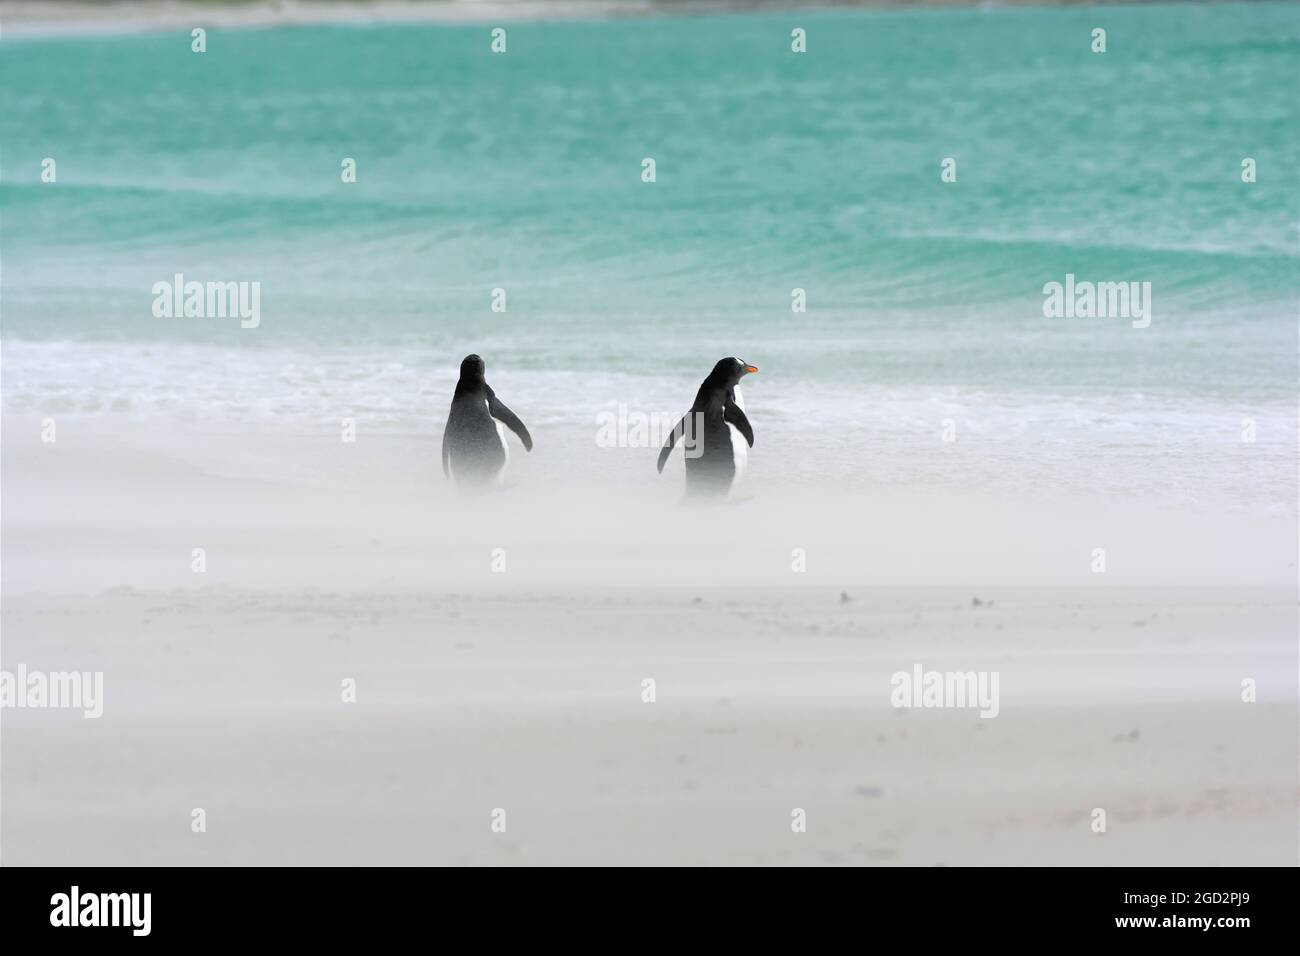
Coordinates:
x,y
774,171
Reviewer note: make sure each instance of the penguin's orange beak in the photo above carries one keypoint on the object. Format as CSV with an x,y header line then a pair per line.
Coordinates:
x,y
751,368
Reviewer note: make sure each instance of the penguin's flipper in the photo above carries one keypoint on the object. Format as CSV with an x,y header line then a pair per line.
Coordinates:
x,y
678,431
733,414
446,453
497,409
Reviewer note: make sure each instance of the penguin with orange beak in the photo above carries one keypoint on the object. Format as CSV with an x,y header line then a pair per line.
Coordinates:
x,y
715,434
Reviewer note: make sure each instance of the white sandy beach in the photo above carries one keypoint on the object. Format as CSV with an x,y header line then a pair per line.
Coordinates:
x,y
522,690
229,700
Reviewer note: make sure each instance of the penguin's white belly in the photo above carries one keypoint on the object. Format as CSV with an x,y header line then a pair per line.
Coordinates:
x,y
505,450
739,447
739,455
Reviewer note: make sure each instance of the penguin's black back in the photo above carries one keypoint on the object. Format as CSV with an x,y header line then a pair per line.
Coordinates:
x,y
475,447
712,471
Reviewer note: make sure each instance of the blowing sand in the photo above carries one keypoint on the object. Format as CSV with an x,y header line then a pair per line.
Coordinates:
x,y
522,689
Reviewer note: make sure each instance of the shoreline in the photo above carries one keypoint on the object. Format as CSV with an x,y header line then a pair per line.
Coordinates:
x,y
29,18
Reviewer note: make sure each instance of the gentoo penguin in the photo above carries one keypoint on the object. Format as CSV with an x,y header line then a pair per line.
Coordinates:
x,y
474,450
718,434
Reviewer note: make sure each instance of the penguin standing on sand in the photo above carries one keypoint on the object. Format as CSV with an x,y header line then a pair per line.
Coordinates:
x,y
718,434
474,450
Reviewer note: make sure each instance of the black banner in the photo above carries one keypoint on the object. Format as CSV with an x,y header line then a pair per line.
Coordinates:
x,y
237,905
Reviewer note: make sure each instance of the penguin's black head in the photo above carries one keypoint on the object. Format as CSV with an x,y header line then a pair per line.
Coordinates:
x,y
729,371
472,369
